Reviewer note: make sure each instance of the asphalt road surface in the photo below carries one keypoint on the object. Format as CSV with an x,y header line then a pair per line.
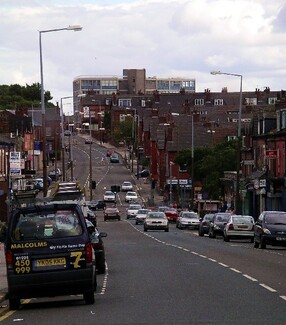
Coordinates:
x,y
167,278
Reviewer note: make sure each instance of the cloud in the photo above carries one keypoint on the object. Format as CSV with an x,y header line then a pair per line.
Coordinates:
x,y
184,38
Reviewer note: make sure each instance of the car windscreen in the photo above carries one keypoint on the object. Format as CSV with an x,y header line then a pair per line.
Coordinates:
x,y
276,219
49,225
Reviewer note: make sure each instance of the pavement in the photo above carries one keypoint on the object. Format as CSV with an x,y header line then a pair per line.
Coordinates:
x,y
150,197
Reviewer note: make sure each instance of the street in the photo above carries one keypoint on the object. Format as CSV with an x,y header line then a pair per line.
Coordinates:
x,y
157,277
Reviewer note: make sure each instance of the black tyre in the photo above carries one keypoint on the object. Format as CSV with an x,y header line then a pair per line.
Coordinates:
x,y
89,297
167,230
225,237
145,229
256,244
101,269
14,303
262,244
252,240
201,234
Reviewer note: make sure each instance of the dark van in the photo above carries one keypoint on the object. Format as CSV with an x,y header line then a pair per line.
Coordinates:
x,y
48,253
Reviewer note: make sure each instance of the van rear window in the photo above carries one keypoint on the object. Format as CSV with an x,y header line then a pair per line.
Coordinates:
x,y
51,225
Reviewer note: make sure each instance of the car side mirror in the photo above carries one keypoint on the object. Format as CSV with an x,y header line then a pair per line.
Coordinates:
x,y
103,234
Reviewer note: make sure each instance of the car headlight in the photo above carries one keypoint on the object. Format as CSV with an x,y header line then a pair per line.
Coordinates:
x,y
266,231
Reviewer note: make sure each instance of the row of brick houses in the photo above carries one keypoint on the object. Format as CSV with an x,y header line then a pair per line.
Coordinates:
x,y
166,124
165,121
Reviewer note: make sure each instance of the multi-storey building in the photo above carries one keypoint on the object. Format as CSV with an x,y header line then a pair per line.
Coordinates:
x,y
133,82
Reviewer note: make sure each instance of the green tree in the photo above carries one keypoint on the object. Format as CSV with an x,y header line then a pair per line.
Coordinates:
x,y
16,96
210,163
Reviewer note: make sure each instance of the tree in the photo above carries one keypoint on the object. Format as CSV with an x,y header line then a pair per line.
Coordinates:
x,y
16,96
210,163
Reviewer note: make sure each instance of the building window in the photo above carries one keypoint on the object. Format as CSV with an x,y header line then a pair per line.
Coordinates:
x,y
283,119
218,102
199,102
250,101
122,117
163,85
272,100
231,137
124,102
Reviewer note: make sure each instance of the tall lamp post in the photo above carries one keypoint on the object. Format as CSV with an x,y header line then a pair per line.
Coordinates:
x,y
63,138
43,108
90,159
238,156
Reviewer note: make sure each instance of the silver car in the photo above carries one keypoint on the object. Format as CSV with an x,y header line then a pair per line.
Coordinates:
x,y
188,219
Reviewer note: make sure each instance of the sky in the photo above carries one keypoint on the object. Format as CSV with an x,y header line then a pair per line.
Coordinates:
x,y
169,38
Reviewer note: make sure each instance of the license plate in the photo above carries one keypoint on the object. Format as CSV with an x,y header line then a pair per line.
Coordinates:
x,y
281,238
242,227
51,262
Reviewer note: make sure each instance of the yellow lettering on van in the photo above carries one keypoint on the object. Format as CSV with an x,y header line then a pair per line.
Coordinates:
x,y
29,245
77,256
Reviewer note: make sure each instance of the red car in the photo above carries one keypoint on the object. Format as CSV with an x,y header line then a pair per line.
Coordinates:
x,y
172,214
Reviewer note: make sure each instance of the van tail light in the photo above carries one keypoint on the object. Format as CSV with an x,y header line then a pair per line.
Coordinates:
x,y
230,227
204,223
9,259
88,253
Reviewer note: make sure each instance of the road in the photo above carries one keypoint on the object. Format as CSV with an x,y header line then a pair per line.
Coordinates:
x,y
167,278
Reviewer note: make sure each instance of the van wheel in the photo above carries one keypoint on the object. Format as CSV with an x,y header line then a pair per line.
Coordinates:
x,y
89,297
14,303
262,244
256,244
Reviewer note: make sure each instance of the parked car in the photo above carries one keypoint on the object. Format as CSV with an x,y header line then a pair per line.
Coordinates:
x,y
96,205
67,133
218,223
90,216
39,238
38,184
270,229
98,247
55,173
131,196
143,173
163,208
114,158
132,210
156,220
188,219
111,213
141,216
88,141
109,196
239,226
172,214
126,186
204,225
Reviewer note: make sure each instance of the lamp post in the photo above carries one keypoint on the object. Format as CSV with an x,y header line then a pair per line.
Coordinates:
x,y
43,108
237,192
63,138
171,183
90,159
193,168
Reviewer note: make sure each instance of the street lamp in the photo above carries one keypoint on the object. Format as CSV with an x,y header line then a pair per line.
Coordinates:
x,y
237,198
171,183
43,108
63,138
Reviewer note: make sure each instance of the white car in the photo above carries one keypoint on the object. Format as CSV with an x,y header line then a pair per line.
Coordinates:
x,y
131,196
239,227
188,219
109,196
156,220
141,215
126,186
132,210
